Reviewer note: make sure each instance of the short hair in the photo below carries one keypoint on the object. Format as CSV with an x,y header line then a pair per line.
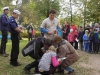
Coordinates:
x,y
52,11
57,38
47,42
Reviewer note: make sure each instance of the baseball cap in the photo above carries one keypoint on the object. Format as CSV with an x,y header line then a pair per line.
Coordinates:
x,y
17,12
6,8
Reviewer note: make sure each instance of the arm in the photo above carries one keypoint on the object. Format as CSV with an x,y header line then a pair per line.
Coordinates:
x,y
37,48
13,25
43,27
55,61
44,30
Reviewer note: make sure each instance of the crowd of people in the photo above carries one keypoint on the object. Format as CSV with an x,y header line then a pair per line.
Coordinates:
x,y
51,51
87,39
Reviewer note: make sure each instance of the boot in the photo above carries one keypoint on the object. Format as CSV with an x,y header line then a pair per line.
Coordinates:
x,y
27,69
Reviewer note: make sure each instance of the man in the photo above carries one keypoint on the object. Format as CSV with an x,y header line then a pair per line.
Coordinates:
x,y
50,25
30,30
4,30
66,30
34,50
91,38
14,30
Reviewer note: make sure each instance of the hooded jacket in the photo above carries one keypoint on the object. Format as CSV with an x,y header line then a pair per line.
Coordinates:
x,y
65,49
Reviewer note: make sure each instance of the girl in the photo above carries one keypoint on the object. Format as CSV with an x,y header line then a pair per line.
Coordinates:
x,y
48,62
71,37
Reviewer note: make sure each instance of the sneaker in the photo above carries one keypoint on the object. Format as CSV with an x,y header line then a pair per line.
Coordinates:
x,y
5,55
27,71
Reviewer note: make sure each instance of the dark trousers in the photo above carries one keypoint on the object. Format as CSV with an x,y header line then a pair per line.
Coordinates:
x,y
95,48
45,73
71,43
81,45
15,48
99,46
3,42
34,64
51,71
30,36
91,46
65,36
76,45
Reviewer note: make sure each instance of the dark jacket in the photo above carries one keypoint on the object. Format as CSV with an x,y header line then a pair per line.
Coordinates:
x,y
4,22
96,39
30,28
33,48
80,36
91,37
66,29
13,25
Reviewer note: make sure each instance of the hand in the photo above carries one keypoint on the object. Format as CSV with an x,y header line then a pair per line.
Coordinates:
x,y
49,33
59,60
43,51
55,32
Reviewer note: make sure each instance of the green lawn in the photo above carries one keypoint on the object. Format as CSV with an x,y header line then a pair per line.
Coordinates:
x,y
7,69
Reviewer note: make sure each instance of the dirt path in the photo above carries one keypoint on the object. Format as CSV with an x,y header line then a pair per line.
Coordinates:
x,y
90,62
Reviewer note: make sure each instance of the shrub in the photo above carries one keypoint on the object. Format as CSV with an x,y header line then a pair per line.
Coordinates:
x,y
25,34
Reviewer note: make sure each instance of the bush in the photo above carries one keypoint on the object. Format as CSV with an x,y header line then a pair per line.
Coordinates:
x,y
25,34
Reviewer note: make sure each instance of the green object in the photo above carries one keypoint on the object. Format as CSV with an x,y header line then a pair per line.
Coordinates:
x,y
99,36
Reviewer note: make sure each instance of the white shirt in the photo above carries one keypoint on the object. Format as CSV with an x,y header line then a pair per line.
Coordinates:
x,y
51,26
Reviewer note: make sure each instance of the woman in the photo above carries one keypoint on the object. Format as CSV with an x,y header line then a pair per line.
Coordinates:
x,y
65,49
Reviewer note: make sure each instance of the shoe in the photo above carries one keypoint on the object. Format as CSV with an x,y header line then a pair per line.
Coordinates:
x,y
5,55
60,71
36,72
18,64
72,73
27,71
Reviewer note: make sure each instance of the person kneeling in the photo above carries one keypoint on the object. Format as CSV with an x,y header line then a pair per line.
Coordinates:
x,y
48,62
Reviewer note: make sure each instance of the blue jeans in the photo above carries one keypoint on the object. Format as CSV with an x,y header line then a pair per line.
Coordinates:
x,y
68,68
86,47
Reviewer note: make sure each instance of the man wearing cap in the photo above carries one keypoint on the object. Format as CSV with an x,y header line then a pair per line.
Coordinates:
x,y
4,30
14,30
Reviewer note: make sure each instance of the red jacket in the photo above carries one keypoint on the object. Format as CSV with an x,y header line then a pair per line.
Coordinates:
x,y
71,37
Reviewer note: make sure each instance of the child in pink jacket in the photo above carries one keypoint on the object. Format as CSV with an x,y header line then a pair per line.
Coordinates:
x,y
47,59
71,37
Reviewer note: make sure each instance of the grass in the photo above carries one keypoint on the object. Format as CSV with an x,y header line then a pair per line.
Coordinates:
x,y
6,69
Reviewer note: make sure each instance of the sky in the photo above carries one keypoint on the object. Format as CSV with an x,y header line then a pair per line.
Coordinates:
x,y
66,5
14,2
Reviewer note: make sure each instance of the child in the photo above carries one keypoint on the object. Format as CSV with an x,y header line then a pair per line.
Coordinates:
x,y
80,38
95,42
71,37
45,63
86,41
